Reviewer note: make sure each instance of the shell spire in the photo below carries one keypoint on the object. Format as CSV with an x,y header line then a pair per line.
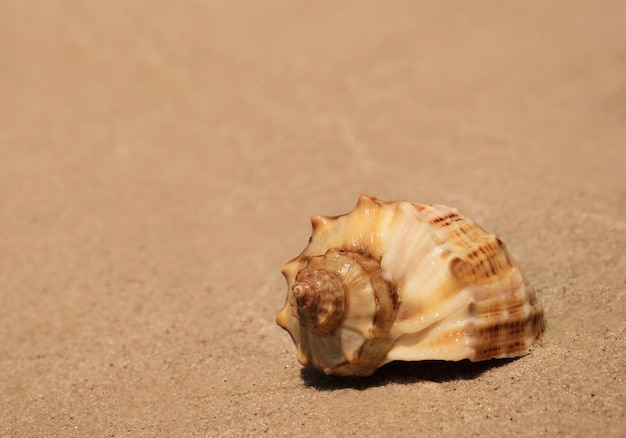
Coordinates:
x,y
403,281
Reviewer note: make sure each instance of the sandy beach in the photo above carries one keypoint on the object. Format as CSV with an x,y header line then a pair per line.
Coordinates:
x,y
160,162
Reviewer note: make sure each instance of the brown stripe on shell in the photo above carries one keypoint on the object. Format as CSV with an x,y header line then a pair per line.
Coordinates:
x,y
503,338
453,228
507,323
482,262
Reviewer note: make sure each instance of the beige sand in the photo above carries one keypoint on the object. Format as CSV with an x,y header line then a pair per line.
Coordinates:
x,y
160,161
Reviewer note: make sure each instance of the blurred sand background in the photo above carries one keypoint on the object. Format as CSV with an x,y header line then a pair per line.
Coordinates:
x,y
160,161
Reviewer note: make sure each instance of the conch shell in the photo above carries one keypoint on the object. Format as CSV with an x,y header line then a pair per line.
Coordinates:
x,y
403,281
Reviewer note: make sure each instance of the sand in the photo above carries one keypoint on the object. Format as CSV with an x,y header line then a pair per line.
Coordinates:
x,y
160,161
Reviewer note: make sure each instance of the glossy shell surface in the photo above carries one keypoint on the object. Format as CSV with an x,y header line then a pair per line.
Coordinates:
x,y
404,281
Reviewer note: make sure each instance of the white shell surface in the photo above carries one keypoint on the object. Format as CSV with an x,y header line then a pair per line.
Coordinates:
x,y
460,293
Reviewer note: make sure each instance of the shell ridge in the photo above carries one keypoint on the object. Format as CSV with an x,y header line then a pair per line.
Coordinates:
x,y
444,339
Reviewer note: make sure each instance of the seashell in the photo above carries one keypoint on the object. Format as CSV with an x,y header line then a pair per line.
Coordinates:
x,y
403,281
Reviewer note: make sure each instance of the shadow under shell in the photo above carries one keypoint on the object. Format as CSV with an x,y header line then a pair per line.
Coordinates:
x,y
403,372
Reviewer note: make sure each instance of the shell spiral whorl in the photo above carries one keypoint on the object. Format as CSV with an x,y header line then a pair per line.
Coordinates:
x,y
347,290
320,300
